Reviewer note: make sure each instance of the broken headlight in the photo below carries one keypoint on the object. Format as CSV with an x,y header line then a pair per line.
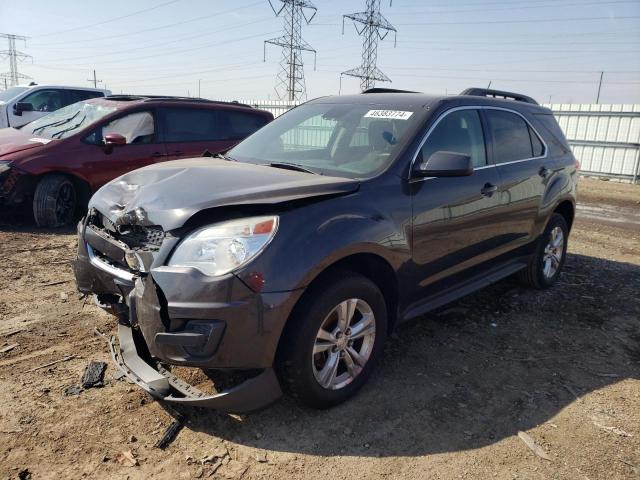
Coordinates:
x,y
222,247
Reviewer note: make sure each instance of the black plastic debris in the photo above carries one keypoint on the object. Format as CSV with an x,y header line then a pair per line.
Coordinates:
x,y
172,430
72,390
93,376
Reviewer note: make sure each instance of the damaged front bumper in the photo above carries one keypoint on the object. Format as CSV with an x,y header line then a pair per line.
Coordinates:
x,y
178,316
160,383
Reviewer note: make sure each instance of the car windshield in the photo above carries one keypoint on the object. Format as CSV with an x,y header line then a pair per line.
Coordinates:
x,y
10,93
68,120
346,140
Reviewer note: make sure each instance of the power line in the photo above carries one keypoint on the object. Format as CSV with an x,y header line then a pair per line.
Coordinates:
x,y
14,57
374,27
83,27
290,82
159,44
161,27
537,20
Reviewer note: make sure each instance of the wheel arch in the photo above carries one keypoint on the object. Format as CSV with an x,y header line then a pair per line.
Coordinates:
x,y
370,265
566,208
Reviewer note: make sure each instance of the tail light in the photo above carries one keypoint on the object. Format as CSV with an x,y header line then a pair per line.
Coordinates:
x,y
576,162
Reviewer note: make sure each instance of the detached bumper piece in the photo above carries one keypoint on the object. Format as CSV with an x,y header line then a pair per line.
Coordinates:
x,y
253,394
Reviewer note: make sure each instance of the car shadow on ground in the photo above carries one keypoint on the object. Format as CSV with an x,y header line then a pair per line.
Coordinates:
x,y
502,360
22,221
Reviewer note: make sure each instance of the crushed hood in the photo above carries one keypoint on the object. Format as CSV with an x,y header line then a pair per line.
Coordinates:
x,y
13,141
169,193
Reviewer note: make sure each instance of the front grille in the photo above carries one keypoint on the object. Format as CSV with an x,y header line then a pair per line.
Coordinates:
x,y
135,237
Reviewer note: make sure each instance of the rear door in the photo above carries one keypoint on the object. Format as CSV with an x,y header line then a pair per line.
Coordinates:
x,y
456,220
524,168
189,132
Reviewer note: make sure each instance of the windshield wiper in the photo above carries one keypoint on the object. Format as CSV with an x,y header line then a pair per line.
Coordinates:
x,y
62,132
56,124
292,166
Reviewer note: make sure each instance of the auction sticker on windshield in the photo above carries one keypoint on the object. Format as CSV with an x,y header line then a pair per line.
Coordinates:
x,y
395,114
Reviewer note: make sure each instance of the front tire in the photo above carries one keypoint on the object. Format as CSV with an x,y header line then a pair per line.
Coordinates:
x,y
332,341
546,264
55,201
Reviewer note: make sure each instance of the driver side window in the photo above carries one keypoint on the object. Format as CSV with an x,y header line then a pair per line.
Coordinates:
x,y
459,132
45,100
137,128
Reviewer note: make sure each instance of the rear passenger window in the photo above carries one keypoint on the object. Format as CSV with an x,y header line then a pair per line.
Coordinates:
x,y
74,96
238,125
512,139
191,125
459,132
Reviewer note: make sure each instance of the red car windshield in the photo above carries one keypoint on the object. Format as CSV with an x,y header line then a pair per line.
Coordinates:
x,y
68,120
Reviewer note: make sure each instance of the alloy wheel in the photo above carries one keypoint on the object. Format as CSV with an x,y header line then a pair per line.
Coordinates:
x,y
553,253
343,344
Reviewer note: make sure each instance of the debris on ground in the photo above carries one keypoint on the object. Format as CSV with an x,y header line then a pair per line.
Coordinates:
x,y
261,457
72,390
171,431
8,348
65,359
535,448
24,474
93,375
126,458
616,430
219,454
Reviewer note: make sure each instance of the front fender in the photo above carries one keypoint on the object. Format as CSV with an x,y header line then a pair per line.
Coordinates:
x,y
312,238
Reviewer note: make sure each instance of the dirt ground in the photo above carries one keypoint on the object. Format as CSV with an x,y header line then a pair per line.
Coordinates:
x,y
452,393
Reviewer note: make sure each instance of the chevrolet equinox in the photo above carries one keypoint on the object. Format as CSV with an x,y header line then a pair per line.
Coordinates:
x,y
289,259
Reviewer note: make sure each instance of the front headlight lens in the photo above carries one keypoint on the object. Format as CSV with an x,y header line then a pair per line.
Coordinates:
x,y
4,166
220,248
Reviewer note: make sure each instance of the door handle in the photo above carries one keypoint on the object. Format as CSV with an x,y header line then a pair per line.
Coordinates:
x,y
177,152
488,189
157,154
544,172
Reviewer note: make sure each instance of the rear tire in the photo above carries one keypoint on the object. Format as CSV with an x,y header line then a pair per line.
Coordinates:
x,y
341,323
546,263
55,201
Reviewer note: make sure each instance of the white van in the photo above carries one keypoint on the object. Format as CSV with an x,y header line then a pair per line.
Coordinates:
x,y
25,103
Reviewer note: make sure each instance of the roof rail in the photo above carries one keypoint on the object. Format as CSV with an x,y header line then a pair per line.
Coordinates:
x,y
485,92
149,98
387,90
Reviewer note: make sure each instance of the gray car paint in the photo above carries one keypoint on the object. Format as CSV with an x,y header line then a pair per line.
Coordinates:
x,y
169,193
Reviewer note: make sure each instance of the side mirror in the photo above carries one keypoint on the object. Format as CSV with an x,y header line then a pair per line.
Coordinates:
x,y
113,139
20,107
445,164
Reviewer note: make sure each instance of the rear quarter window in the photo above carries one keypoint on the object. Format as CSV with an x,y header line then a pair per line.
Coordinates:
x,y
552,133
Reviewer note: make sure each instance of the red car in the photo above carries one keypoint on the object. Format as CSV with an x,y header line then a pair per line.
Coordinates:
x,y
58,161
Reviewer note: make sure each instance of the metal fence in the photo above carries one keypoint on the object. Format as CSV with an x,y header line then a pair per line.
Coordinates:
x,y
604,137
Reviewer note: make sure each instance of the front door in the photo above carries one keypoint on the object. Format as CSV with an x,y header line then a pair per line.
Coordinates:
x,y
104,163
456,220
42,101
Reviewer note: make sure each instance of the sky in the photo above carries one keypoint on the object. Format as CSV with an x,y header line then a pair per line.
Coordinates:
x,y
553,50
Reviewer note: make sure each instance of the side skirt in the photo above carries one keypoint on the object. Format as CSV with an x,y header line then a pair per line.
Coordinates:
x,y
464,288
